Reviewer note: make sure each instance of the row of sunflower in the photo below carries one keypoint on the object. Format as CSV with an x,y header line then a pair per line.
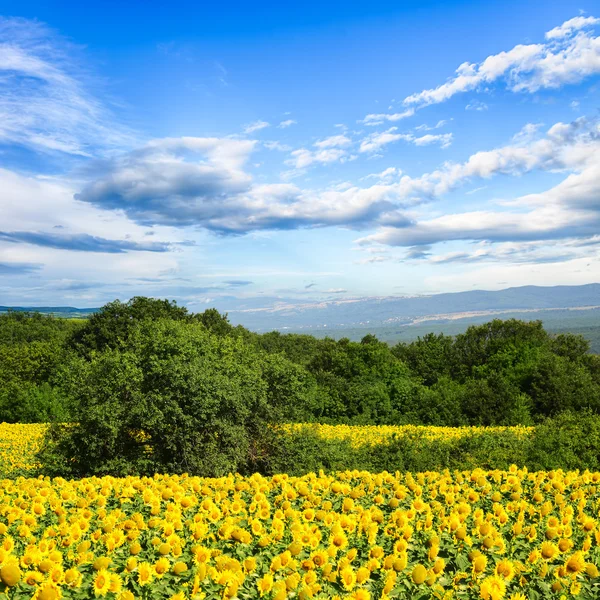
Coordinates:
x,y
364,435
20,442
472,534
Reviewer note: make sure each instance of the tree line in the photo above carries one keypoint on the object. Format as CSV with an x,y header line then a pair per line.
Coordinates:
x,y
500,373
148,383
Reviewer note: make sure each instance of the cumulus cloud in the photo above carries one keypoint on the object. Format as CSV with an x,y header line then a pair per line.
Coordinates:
x,y
302,158
385,175
328,150
493,226
162,183
568,27
277,146
424,127
570,54
201,182
476,105
570,209
45,98
516,253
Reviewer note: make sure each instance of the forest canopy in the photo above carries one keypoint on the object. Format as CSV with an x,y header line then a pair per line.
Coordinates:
x,y
500,373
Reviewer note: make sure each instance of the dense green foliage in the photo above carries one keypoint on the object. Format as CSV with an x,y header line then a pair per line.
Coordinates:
x,y
190,381
568,441
500,373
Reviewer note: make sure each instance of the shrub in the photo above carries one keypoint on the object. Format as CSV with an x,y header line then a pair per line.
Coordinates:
x,y
172,398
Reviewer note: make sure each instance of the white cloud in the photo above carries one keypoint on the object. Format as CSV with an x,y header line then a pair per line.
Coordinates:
x,y
385,175
439,124
256,126
375,141
334,141
378,119
303,158
45,103
274,145
200,182
476,105
570,209
568,27
444,140
287,123
570,56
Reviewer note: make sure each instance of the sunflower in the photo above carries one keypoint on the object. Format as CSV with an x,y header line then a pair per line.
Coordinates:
x,y
505,569
10,574
145,573
348,578
549,550
102,583
492,588
161,567
576,563
265,585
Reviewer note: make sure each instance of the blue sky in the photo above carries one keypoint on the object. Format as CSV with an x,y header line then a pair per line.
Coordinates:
x,y
209,153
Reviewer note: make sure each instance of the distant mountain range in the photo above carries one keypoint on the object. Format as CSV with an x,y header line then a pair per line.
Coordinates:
x,y
59,311
401,310
266,314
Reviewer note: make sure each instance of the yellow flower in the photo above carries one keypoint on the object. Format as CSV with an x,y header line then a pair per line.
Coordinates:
x,y
419,574
348,578
265,585
49,591
576,563
492,588
102,582
161,567
549,550
479,564
180,567
505,569
145,573
10,574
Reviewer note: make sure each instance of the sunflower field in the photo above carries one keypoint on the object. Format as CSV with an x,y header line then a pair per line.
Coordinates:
x,y
365,435
473,534
19,442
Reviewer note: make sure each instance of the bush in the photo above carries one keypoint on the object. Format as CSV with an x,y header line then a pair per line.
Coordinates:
x,y
568,441
172,398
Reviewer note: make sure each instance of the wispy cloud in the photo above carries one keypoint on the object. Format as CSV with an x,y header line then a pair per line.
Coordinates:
x,y
80,242
334,141
286,123
17,268
378,119
375,141
256,126
44,101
